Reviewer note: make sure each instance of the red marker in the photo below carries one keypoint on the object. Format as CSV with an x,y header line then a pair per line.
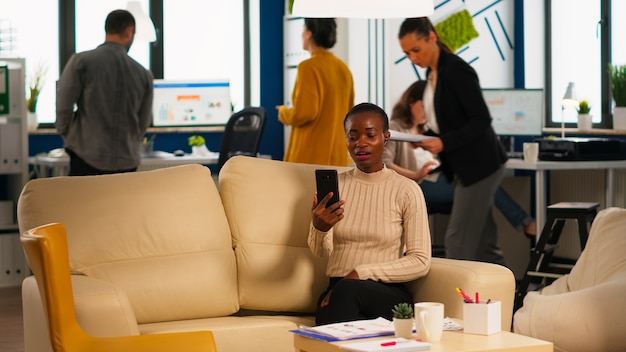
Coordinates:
x,y
390,343
393,343
477,300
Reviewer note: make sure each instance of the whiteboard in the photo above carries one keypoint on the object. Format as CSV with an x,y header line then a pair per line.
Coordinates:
x,y
515,111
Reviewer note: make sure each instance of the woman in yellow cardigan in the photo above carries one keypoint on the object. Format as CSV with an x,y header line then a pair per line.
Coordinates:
x,y
323,93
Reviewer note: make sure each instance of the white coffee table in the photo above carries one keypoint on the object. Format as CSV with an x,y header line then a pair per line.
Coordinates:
x,y
450,341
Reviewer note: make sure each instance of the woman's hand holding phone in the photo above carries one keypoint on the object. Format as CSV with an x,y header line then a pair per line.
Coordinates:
x,y
325,217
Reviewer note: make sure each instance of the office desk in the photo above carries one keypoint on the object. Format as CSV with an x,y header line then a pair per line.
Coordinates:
x,y
541,168
60,166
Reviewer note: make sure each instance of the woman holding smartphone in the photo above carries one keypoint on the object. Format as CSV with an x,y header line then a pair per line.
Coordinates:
x,y
470,153
376,237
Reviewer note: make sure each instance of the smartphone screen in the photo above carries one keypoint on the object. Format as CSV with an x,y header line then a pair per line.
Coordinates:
x,y
326,181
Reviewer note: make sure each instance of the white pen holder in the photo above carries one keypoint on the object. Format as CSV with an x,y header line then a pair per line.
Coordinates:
x,y
482,318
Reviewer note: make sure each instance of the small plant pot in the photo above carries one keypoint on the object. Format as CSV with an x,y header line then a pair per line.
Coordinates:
x,y
200,150
619,118
403,327
584,122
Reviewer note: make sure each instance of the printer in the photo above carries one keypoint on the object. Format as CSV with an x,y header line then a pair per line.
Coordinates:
x,y
581,149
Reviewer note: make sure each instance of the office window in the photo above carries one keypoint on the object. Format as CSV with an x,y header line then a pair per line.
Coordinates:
x,y
575,57
204,40
618,32
90,17
32,34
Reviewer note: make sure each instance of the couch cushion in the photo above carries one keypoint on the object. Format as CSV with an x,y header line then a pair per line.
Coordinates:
x,y
268,204
161,236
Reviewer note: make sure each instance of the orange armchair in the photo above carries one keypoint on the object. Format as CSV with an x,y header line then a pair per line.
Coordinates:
x,y
46,251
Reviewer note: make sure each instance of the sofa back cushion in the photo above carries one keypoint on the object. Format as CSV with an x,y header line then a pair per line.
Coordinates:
x,y
268,205
603,256
160,236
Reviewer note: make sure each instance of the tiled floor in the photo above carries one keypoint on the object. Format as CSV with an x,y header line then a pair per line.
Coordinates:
x,y
11,328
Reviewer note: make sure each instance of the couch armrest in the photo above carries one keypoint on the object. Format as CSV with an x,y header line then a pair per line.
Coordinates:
x,y
493,281
590,319
101,310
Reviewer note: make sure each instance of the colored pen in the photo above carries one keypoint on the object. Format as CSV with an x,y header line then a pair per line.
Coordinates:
x,y
467,298
477,300
462,294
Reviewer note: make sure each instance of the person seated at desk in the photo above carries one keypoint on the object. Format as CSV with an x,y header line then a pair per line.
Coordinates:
x,y
382,216
417,164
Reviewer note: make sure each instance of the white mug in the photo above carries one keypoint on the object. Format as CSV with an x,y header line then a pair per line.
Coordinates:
x,y
531,152
429,321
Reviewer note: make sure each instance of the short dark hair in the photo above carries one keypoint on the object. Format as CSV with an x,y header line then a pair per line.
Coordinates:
x,y
117,21
368,107
324,31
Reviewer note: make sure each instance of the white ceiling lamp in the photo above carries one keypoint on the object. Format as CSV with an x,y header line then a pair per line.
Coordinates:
x,y
363,8
144,27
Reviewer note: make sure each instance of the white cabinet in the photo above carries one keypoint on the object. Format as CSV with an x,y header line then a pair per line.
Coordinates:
x,y
13,171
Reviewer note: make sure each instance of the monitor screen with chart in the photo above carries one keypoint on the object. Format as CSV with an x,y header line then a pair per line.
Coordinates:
x,y
515,112
191,103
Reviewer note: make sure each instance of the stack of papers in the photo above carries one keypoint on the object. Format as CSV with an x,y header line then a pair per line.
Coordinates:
x,y
397,344
407,137
353,329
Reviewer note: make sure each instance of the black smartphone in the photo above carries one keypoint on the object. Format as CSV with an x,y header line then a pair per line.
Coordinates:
x,y
326,180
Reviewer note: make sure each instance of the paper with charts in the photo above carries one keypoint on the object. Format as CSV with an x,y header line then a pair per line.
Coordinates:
x,y
407,137
353,329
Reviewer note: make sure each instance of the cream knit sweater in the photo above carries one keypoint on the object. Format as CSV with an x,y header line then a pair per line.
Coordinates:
x,y
384,214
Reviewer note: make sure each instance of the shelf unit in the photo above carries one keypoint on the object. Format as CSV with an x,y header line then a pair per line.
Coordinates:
x,y
13,171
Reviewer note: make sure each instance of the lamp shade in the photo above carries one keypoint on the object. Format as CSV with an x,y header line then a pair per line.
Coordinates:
x,y
570,99
144,27
363,8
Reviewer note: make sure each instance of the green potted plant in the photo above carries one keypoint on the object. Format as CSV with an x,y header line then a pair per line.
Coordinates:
x,y
403,320
584,118
617,78
35,84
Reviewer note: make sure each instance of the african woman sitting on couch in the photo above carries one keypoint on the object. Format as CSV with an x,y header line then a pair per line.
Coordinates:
x,y
377,236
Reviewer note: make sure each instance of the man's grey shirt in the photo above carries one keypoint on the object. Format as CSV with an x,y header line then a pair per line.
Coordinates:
x,y
113,96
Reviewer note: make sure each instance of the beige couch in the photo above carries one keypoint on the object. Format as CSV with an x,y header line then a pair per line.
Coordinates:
x,y
163,250
584,310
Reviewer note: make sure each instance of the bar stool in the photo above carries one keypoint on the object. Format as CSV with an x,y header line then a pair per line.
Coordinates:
x,y
438,250
540,264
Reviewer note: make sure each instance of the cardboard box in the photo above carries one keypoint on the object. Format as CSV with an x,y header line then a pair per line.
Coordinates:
x,y
482,318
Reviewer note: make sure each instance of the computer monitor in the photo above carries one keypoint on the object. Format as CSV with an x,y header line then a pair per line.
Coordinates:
x,y
515,112
179,103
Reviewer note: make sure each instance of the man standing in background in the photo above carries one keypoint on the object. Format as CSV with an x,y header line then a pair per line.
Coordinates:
x,y
113,94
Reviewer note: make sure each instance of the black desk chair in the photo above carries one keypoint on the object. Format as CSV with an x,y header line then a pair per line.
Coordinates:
x,y
242,134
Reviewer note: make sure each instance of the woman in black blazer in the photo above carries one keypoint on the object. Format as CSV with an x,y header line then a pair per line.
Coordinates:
x,y
467,145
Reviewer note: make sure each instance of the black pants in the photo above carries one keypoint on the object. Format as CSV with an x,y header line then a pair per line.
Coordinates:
x,y
353,299
78,167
